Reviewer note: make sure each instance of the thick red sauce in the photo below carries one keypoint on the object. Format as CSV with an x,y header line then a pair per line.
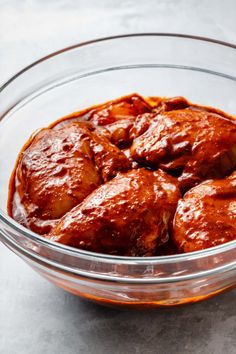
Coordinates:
x,y
133,177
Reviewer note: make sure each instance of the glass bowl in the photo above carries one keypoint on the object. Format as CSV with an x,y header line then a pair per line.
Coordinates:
x,y
200,69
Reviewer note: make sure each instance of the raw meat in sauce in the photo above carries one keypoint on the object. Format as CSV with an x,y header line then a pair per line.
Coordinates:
x,y
58,170
191,143
130,215
131,177
206,216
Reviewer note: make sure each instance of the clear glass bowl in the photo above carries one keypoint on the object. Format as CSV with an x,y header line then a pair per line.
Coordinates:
x,y
200,69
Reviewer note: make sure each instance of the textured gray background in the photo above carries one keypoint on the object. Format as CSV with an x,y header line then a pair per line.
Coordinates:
x,y
36,317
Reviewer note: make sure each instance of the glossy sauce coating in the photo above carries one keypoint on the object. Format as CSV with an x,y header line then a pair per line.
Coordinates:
x,y
58,170
94,179
116,117
191,143
206,216
130,215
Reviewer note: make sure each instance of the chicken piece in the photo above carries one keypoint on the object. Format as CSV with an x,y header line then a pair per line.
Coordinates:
x,y
108,158
143,121
190,143
161,105
125,107
116,117
172,104
131,215
206,216
57,170
141,125
120,132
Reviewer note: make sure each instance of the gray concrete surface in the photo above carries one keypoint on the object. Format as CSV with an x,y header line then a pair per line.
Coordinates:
x,y
35,316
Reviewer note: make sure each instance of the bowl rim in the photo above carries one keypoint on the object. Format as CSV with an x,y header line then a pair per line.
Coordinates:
x,y
103,39
7,220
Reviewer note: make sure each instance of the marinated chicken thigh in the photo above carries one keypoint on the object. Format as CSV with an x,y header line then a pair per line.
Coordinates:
x,y
130,215
191,143
58,170
109,178
206,216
